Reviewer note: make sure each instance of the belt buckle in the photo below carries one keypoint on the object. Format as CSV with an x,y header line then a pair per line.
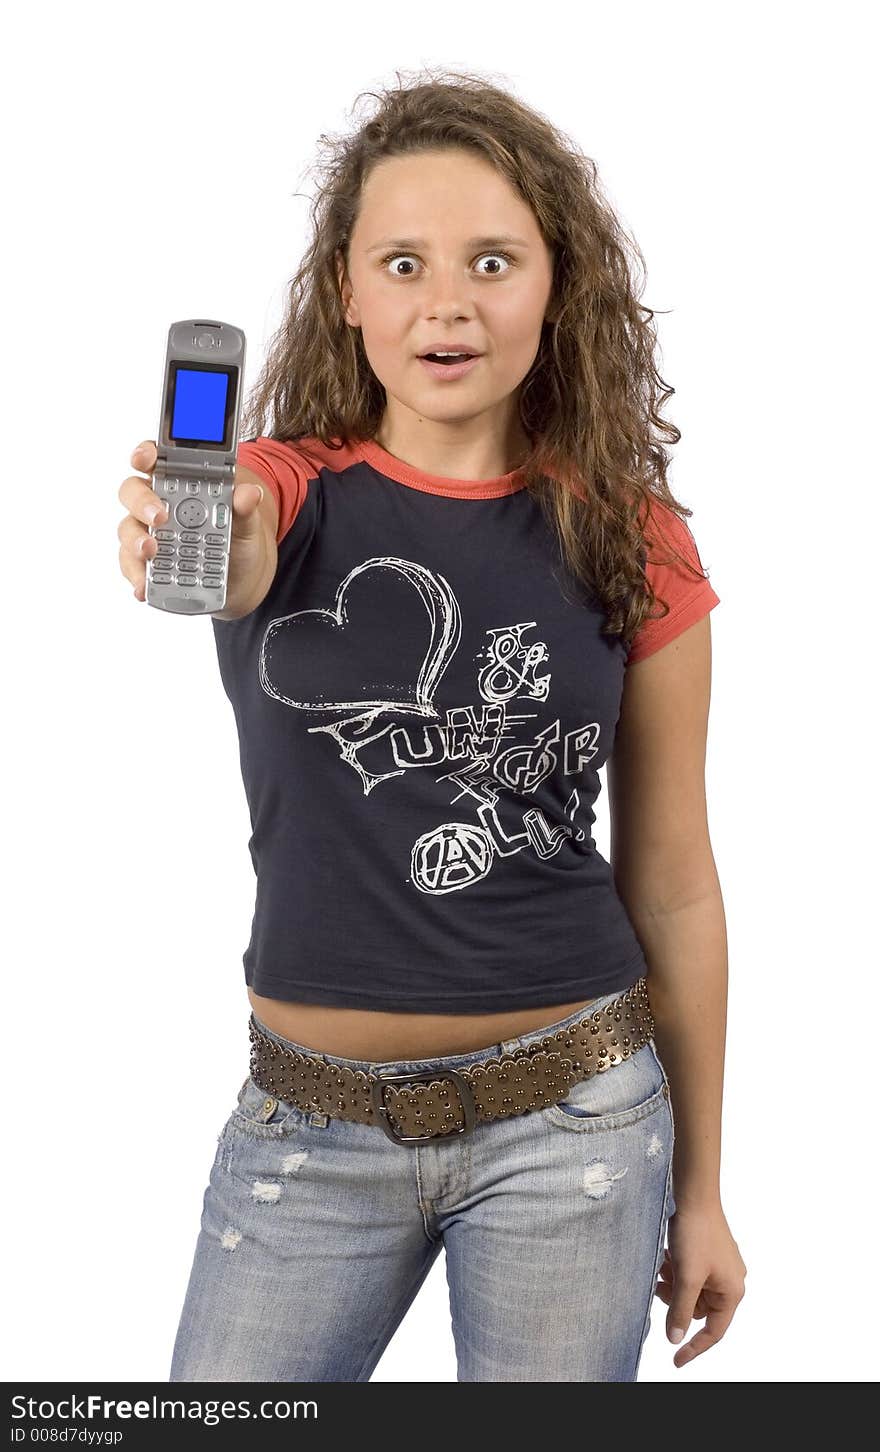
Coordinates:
x,y
424,1076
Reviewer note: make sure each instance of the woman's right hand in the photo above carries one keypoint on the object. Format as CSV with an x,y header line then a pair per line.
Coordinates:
x,y
251,529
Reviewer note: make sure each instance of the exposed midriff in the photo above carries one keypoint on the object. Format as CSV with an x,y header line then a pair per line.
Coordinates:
x,y
379,1035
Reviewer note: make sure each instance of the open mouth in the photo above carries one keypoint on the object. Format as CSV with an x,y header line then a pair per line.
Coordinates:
x,y
458,365
447,359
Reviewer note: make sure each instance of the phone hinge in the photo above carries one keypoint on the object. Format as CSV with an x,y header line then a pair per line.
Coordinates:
x,y
194,468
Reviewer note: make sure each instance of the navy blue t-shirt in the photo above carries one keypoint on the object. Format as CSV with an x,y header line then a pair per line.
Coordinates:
x,y
423,701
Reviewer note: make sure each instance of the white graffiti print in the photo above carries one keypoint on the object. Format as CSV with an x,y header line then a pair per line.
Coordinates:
x,y
373,656
441,608
510,669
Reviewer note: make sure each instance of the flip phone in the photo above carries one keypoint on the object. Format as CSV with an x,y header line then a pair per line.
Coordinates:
x,y
196,447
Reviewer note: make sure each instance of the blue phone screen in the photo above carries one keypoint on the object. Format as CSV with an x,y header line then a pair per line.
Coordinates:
x,y
199,405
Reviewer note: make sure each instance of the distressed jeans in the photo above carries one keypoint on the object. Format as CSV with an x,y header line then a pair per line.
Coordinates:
x,y
316,1233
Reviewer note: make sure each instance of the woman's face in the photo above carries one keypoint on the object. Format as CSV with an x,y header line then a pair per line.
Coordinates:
x,y
427,264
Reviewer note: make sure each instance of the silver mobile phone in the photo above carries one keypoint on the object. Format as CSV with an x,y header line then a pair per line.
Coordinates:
x,y
196,449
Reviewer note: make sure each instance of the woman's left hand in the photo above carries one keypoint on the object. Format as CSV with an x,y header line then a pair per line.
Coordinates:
x,y
703,1274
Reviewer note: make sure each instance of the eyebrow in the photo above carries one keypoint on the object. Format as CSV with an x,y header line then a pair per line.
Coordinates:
x,y
417,242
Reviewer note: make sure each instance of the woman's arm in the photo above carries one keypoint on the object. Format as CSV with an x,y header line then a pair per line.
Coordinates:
x,y
665,874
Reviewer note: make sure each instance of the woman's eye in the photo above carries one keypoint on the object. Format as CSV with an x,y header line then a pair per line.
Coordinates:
x,y
399,257
496,257
396,257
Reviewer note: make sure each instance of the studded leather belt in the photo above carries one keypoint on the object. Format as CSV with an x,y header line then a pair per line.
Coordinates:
x,y
438,1103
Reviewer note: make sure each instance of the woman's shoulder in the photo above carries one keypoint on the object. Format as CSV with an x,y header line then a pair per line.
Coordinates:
x,y
288,466
306,455
675,570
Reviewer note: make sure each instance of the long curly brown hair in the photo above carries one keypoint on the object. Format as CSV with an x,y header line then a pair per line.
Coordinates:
x,y
591,400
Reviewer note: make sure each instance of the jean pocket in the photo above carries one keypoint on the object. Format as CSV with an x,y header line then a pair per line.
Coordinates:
x,y
258,1138
621,1095
263,1115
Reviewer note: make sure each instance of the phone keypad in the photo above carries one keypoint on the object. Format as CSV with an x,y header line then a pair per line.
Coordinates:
x,y
179,563
186,556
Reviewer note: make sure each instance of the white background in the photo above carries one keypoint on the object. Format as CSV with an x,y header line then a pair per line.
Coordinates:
x,y
152,153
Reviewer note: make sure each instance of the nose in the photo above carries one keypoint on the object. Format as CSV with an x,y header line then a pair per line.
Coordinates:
x,y
448,294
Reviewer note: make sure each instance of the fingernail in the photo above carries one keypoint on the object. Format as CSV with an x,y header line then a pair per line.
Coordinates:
x,y
260,487
152,513
676,1334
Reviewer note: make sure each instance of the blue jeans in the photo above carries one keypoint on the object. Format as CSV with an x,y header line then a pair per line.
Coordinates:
x,y
316,1234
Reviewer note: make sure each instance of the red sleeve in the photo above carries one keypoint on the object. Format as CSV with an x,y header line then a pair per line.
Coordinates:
x,y
284,470
688,598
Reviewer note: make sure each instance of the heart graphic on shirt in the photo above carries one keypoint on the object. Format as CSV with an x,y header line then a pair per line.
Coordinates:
x,y
395,627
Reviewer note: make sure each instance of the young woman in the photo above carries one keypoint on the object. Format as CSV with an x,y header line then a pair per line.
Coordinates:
x,y
440,624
